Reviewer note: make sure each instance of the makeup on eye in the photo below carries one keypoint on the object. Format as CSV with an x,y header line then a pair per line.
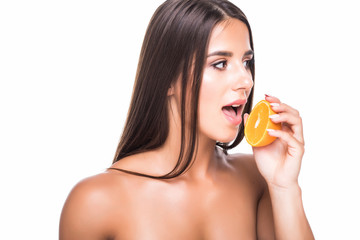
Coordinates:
x,y
249,58
220,65
247,63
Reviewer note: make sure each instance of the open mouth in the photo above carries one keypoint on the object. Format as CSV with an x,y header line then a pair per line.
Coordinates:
x,y
233,113
232,110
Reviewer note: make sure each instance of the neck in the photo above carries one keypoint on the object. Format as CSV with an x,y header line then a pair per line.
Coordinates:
x,y
205,157
203,163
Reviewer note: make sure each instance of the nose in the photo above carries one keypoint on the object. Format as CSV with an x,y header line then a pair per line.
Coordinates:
x,y
243,79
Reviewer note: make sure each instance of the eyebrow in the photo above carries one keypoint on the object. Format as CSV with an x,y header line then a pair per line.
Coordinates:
x,y
229,54
221,53
249,53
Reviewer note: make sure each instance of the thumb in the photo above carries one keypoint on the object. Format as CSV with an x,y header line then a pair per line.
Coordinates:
x,y
246,115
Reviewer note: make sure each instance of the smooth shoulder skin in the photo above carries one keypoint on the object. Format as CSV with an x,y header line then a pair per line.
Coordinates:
x,y
234,204
89,210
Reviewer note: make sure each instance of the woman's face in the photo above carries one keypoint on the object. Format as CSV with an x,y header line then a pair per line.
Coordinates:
x,y
227,81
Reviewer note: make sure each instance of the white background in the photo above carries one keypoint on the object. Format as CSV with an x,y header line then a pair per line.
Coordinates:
x,y
67,70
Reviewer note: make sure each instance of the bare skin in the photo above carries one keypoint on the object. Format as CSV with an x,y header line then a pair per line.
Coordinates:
x,y
219,197
223,206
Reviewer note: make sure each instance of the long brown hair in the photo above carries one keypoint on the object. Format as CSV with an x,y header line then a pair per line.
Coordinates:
x,y
174,46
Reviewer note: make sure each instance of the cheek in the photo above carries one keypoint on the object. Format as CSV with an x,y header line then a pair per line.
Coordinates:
x,y
211,120
210,100
209,96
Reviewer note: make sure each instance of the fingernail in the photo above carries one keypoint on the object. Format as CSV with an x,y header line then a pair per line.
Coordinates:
x,y
274,104
274,116
267,95
271,132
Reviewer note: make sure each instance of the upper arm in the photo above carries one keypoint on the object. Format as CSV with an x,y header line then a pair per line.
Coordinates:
x,y
85,213
265,221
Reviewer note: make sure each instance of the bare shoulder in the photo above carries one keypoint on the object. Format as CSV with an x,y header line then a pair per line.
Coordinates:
x,y
241,161
89,208
245,165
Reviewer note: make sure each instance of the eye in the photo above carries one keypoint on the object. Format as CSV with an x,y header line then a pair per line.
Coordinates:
x,y
247,63
220,65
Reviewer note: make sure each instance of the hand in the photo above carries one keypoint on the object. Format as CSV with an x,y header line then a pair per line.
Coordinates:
x,y
280,162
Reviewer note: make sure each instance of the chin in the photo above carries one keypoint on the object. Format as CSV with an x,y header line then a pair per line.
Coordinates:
x,y
222,134
228,137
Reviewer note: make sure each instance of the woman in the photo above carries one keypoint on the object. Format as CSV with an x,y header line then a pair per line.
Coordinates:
x,y
172,177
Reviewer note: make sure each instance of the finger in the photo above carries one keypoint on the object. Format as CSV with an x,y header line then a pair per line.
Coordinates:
x,y
246,115
282,107
292,121
287,117
290,116
278,106
271,99
295,148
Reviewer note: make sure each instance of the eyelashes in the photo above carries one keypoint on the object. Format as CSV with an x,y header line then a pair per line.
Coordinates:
x,y
248,63
221,65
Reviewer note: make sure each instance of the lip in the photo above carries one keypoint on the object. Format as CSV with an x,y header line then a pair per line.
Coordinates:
x,y
235,120
237,102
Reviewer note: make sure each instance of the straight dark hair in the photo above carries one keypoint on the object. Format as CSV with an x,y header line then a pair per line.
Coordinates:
x,y
175,45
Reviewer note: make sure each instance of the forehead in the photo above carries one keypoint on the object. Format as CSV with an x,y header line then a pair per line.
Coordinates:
x,y
231,34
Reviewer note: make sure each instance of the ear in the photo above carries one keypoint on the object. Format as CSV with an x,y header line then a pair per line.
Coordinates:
x,y
174,87
171,90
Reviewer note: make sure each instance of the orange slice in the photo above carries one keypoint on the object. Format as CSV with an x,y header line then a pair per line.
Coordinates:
x,y
257,124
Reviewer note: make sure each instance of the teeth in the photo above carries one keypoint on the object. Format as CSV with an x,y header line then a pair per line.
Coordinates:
x,y
235,105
